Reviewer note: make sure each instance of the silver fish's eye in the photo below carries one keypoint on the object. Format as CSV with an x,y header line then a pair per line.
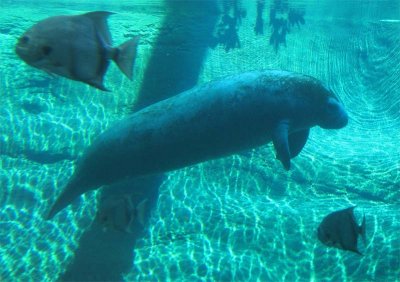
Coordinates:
x,y
46,50
24,39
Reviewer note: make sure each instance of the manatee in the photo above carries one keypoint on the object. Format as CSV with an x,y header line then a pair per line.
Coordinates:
x,y
340,230
211,121
76,47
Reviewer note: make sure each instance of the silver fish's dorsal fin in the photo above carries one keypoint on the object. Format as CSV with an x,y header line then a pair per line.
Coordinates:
x,y
100,20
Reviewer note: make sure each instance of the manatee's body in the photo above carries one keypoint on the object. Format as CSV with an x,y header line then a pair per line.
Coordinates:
x,y
207,122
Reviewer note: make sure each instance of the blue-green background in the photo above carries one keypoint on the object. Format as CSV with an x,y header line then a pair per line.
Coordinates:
x,y
238,218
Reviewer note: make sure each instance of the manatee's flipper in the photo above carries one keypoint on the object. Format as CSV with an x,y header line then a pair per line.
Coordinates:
x,y
297,140
281,143
125,54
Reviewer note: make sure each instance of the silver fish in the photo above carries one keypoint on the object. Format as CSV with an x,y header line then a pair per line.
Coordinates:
x,y
76,47
121,213
340,230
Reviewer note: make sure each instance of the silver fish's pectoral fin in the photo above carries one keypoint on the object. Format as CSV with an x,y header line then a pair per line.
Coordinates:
x,y
130,227
363,231
139,215
297,140
98,83
49,73
281,143
355,250
141,211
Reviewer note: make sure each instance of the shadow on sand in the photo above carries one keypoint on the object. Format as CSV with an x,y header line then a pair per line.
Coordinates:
x,y
105,255
175,65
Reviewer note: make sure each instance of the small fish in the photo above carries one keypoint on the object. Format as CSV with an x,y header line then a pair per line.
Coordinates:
x,y
76,47
120,213
340,230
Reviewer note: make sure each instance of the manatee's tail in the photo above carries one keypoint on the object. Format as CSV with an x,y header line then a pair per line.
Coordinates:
x,y
70,193
125,55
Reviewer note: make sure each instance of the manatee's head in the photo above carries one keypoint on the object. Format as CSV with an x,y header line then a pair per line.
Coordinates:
x,y
330,112
313,103
37,45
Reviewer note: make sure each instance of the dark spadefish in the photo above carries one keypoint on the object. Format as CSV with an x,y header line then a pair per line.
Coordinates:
x,y
76,47
340,230
214,120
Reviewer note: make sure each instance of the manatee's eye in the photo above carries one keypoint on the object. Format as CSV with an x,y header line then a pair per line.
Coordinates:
x,y
104,218
24,39
46,50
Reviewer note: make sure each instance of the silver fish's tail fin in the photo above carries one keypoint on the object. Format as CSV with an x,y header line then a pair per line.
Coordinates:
x,y
69,194
141,211
124,56
362,231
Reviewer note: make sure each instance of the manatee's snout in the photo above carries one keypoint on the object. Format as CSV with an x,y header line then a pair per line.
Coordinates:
x,y
334,115
342,119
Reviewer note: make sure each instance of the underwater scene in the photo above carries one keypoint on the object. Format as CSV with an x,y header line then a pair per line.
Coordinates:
x,y
200,140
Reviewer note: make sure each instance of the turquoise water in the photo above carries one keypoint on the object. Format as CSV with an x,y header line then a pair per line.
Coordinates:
x,y
241,218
